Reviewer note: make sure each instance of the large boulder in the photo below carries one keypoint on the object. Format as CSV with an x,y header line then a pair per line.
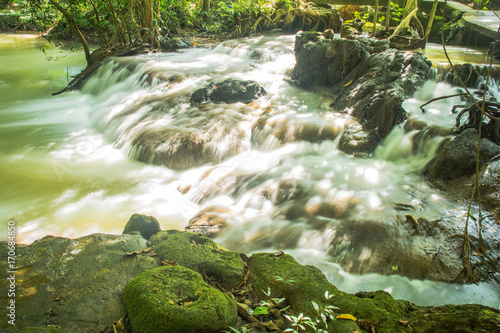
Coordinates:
x,y
228,91
367,78
300,285
176,299
74,284
200,254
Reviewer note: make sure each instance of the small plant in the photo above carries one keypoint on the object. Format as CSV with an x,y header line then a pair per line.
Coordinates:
x,y
319,323
235,330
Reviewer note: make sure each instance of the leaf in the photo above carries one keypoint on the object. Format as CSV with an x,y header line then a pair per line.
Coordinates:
x,y
260,310
348,83
395,268
347,316
316,306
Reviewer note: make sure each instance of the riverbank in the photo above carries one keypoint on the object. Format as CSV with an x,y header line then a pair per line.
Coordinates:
x,y
77,285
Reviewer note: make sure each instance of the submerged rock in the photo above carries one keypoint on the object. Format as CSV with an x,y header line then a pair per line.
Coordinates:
x,y
228,91
200,254
146,225
74,284
176,299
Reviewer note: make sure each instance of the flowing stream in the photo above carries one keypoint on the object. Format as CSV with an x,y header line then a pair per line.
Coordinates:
x,y
68,163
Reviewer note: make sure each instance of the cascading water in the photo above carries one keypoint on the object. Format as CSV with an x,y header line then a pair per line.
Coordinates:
x,y
269,170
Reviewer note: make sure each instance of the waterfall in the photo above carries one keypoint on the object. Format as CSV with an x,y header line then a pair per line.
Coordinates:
x,y
269,172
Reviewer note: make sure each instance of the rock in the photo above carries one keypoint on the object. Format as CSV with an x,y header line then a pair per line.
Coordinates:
x,y
74,284
357,142
374,311
329,34
367,79
176,299
293,128
36,330
176,43
195,137
209,221
228,91
200,254
146,225
458,157
468,73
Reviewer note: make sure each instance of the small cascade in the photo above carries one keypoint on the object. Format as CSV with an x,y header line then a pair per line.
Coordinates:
x,y
262,176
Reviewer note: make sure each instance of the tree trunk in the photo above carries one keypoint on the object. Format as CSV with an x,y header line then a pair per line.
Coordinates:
x,y
431,20
375,18
75,29
205,5
388,16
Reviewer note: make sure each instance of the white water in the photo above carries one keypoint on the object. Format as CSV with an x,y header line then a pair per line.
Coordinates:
x,y
65,168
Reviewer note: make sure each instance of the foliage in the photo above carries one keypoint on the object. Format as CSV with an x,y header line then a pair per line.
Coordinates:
x,y
318,323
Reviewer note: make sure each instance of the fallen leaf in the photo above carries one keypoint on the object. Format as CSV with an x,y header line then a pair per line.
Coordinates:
x,y
171,302
187,303
346,316
348,83
169,263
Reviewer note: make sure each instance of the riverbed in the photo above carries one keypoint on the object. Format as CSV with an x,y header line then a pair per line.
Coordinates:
x,y
68,166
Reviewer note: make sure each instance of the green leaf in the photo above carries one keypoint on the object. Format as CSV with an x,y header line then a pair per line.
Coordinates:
x,y
260,310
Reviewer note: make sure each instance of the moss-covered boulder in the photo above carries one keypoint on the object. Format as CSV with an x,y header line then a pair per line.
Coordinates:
x,y
200,254
176,299
74,284
146,225
301,284
374,311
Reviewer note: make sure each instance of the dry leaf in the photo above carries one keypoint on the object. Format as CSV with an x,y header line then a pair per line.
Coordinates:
x,y
348,83
346,316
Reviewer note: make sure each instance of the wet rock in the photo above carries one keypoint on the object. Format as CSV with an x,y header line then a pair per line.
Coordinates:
x,y
176,43
357,142
200,254
468,73
193,138
146,225
74,284
209,221
458,157
228,91
176,299
367,79
293,128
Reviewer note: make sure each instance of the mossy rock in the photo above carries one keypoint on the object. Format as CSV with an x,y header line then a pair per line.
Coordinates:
x,y
285,277
176,299
301,284
146,225
200,254
456,318
36,330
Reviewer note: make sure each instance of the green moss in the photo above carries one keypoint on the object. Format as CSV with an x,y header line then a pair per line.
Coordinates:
x,y
200,254
176,299
455,318
301,284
